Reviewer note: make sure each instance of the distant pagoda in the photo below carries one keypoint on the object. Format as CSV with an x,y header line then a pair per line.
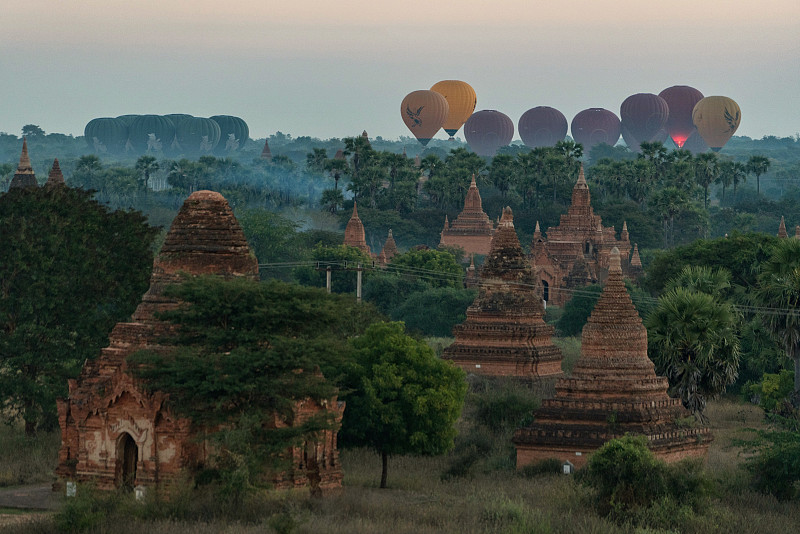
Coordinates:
x,y
24,177
613,390
55,178
472,230
354,234
505,333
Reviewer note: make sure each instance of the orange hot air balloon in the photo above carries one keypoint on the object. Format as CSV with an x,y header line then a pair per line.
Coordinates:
x,y
424,112
461,99
716,119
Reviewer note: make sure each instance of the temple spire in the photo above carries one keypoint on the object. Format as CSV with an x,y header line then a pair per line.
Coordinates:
x,y
782,229
624,235
266,153
55,177
636,261
24,177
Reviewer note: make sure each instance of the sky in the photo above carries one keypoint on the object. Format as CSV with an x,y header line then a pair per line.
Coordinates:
x,y
332,69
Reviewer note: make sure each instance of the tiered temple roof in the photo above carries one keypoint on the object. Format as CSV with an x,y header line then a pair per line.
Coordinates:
x,y
112,429
24,177
472,230
505,333
782,229
354,234
389,250
613,390
575,253
55,177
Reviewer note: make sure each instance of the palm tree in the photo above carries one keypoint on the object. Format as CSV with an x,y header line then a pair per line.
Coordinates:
x,y
706,170
758,165
694,341
778,292
146,165
668,203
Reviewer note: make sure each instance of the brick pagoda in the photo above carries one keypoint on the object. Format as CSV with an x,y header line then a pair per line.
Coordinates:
x,y
354,234
613,390
24,177
389,250
575,253
505,333
113,432
472,230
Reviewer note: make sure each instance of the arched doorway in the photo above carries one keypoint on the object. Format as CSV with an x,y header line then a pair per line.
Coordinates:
x,y
127,456
545,291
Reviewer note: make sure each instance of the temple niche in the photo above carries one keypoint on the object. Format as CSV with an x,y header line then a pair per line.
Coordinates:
x,y
613,390
116,434
472,230
505,333
575,253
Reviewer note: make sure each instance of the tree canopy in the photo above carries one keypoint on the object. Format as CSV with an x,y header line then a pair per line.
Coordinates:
x,y
71,269
402,399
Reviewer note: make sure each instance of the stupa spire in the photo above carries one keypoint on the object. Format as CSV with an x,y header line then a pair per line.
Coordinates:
x,y
24,177
624,234
782,229
55,177
636,261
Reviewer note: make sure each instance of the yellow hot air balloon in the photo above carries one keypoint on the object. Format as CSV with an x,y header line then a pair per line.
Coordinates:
x,y
424,112
462,100
716,119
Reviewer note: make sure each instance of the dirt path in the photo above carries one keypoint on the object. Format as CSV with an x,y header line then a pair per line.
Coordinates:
x,y
33,497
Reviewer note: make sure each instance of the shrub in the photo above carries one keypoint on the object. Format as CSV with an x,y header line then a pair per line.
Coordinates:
x,y
773,391
628,481
509,406
775,467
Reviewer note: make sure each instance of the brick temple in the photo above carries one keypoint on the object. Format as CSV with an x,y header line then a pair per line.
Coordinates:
x,y
575,253
354,234
24,177
505,333
472,230
113,432
613,390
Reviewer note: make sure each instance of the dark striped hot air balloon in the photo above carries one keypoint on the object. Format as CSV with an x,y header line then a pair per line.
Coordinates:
x,y
151,133
593,126
642,117
106,135
542,126
424,113
234,133
488,130
197,135
681,100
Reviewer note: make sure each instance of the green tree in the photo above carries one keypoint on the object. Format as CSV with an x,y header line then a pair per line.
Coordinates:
x,y
402,400
331,200
146,165
778,293
71,270
693,339
245,353
758,165
342,260
706,169
32,131
437,267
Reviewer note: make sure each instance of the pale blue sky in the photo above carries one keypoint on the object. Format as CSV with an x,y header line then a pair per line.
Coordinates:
x,y
333,69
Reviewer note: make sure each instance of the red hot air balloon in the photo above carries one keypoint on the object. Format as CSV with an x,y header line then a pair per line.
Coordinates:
x,y
642,116
542,126
593,126
488,130
681,100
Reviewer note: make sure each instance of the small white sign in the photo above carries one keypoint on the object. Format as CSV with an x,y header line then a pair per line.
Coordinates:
x,y
72,489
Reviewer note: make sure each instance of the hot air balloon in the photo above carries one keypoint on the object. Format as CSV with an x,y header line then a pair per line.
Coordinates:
x,y
542,126
695,144
681,100
106,135
127,119
424,112
197,135
642,116
716,119
151,133
594,126
233,134
488,130
461,98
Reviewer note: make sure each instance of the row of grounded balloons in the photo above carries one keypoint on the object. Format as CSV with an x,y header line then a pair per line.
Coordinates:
x,y
171,134
680,112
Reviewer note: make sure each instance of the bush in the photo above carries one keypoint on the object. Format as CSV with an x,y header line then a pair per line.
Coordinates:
x,y
773,391
551,466
508,407
775,467
628,480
